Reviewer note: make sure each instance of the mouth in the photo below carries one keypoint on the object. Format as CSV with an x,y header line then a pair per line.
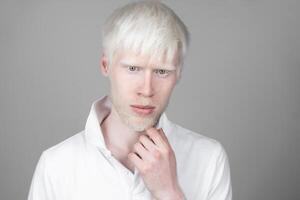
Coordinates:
x,y
143,110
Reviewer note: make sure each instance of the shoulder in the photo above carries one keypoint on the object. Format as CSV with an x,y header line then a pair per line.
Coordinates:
x,y
196,144
56,162
64,152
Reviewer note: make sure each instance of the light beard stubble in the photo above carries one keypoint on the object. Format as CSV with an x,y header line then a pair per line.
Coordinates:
x,y
135,122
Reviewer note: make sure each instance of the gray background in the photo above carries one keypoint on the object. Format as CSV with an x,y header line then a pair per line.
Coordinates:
x,y
240,85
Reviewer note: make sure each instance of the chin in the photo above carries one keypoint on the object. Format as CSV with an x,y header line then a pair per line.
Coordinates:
x,y
140,124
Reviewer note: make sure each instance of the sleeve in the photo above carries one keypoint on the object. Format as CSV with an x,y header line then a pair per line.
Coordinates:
x,y
220,187
41,185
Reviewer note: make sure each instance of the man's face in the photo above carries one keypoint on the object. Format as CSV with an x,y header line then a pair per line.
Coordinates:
x,y
140,88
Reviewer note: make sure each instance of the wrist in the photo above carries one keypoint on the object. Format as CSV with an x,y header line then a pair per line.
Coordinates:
x,y
176,195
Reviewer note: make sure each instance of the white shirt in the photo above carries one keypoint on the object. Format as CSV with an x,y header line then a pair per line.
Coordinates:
x,y
82,168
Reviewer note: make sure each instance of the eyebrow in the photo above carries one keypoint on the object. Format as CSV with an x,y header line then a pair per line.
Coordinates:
x,y
164,67
128,64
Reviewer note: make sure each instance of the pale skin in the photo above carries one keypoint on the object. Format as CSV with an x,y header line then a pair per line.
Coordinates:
x,y
134,77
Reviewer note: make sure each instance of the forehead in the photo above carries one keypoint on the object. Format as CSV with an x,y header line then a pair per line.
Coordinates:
x,y
127,57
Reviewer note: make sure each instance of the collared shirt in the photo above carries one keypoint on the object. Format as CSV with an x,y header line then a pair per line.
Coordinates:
x,y
83,168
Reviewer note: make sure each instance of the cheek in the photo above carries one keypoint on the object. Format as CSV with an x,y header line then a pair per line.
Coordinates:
x,y
121,84
165,88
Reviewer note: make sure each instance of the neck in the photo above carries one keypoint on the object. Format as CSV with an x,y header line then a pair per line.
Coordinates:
x,y
118,137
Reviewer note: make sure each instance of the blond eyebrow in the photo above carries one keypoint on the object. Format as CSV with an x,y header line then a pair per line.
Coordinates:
x,y
129,64
168,68
164,67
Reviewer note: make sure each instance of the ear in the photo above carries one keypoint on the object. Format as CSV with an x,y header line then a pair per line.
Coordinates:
x,y
178,74
104,66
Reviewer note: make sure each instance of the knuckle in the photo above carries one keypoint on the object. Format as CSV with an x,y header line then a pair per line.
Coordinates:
x,y
152,133
156,154
154,137
167,152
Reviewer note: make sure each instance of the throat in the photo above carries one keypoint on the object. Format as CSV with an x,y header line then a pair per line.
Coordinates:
x,y
118,139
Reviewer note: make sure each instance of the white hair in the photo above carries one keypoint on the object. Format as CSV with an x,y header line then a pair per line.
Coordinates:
x,y
146,27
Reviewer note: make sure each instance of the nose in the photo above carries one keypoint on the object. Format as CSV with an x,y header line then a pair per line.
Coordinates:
x,y
146,89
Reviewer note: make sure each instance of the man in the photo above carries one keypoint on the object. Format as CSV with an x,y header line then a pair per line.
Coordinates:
x,y
129,149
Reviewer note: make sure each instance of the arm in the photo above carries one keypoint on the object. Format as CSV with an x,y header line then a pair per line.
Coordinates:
x,y
220,187
41,187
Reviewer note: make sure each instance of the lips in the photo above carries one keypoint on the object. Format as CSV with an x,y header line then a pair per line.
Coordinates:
x,y
142,110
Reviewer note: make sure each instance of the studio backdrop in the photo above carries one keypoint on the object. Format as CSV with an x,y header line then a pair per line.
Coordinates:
x,y
240,85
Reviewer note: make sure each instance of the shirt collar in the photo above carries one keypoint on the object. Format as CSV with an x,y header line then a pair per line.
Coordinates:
x,y
99,110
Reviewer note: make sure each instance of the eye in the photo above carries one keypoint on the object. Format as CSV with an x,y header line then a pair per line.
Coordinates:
x,y
162,72
133,68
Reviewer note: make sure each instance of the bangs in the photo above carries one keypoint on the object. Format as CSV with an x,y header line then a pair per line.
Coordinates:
x,y
147,28
148,40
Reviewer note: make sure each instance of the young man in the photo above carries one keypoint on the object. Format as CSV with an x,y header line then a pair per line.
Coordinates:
x,y
129,149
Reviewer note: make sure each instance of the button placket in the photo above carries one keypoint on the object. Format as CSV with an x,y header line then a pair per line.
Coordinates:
x,y
131,181
124,174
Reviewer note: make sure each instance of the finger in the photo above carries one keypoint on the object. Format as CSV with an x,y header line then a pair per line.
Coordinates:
x,y
150,139
155,136
141,151
163,135
136,160
147,142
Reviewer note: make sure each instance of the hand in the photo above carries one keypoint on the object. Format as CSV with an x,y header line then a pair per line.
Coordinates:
x,y
155,160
